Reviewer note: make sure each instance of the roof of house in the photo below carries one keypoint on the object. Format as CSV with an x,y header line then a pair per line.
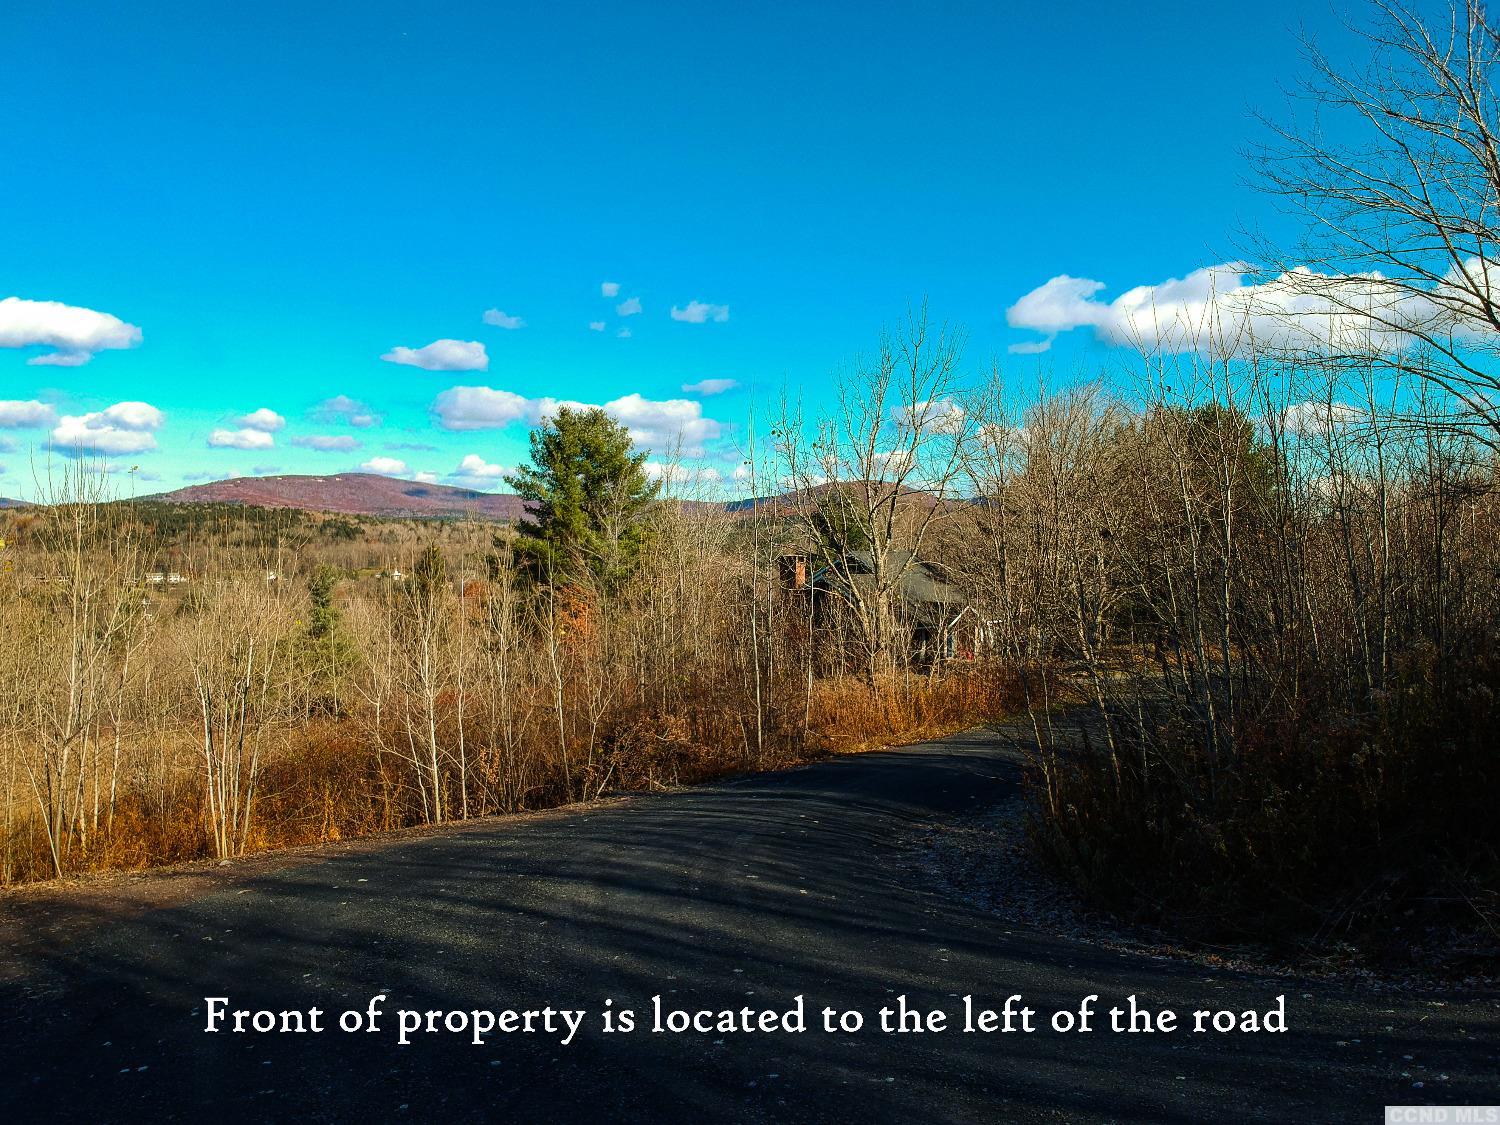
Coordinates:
x,y
920,586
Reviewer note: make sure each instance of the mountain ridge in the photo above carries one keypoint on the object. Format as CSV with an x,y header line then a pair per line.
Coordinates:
x,y
355,494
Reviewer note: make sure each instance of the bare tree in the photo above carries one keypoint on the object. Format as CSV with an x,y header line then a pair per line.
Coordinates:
x,y
870,479
1397,180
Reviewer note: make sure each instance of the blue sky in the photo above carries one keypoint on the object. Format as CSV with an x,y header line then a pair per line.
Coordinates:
x,y
278,195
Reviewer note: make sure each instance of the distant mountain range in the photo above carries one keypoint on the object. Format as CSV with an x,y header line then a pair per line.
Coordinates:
x,y
359,494
369,494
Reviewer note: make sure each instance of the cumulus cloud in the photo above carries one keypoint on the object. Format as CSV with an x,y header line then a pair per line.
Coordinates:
x,y
426,476
660,425
632,307
442,355
263,419
475,472
1223,309
500,319
938,416
75,334
125,427
475,466
893,464
245,438
609,289
482,408
700,312
326,443
675,474
667,424
16,414
1307,419
346,410
710,386
385,466
596,326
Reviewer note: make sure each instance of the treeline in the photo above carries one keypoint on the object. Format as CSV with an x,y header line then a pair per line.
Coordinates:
x,y
1285,623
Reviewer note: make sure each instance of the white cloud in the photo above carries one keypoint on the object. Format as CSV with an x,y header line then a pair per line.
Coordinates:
x,y
342,408
661,425
475,472
1319,418
892,465
665,424
60,359
327,443
631,307
742,473
679,474
1224,310
500,319
481,408
623,334
474,466
710,386
425,477
18,413
596,326
609,289
125,427
939,416
385,466
1030,347
442,355
75,333
263,419
133,416
241,439
700,312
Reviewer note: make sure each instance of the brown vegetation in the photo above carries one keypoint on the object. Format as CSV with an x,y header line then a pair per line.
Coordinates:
x,y
272,699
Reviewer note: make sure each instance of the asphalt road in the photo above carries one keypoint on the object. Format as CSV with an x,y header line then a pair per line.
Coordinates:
x,y
744,893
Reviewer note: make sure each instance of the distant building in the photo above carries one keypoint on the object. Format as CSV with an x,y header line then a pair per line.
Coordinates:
x,y
935,621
